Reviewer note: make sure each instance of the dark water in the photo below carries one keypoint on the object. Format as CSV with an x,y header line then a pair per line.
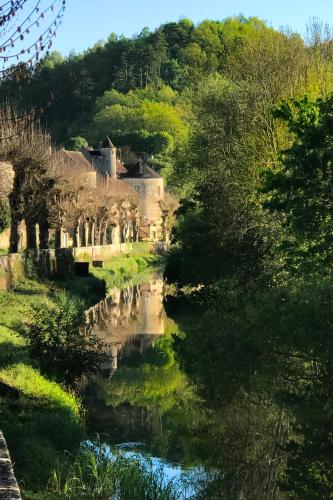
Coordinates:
x,y
238,417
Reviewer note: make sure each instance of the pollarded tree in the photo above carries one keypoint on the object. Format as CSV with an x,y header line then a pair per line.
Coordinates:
x,y
29,155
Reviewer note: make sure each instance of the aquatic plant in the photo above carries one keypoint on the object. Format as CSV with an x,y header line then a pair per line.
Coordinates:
x,y
94,474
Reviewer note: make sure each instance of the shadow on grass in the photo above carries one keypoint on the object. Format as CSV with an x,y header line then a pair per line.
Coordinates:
x,y
89,289
36,433
26,291
11,353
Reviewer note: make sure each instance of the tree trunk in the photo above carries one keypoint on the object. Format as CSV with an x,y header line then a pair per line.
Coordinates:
x,y
44,235
15,237
77,239
86,234
31,235
103,236
92,234
58,237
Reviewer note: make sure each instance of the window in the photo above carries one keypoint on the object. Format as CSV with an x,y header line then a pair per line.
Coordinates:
x,y
137,188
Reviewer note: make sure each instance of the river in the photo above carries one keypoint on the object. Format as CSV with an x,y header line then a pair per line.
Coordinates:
x,y
138,402
221,417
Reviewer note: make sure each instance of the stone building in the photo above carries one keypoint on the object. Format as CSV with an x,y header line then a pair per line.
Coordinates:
x,y
97,200
147,183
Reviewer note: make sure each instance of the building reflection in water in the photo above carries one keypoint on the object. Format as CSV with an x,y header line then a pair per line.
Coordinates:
x,y
133,316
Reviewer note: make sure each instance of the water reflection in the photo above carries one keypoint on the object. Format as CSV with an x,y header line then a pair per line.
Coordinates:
x,y
146,405
131,318
248,403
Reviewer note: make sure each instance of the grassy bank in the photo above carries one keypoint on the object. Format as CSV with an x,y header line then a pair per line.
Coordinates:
x,y
118,270
38,416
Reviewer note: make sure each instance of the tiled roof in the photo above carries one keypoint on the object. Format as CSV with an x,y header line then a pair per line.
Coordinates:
x,y
140,171
120,189
78,158
121,169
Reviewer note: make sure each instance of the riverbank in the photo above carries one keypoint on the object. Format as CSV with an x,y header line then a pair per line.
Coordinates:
x,y
39,417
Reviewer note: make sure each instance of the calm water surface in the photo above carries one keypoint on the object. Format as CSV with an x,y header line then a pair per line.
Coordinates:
x,y
142,397
262,435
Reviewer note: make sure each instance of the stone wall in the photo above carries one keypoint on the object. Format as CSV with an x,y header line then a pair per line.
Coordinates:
x,y
30,264
102,252
11,270
60,262
9,489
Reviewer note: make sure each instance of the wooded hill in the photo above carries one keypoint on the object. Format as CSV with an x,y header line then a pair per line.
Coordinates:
x,y
176,55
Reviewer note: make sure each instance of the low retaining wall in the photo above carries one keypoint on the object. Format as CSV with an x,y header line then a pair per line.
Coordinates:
x,y
11,270
29,264
104,251
60,263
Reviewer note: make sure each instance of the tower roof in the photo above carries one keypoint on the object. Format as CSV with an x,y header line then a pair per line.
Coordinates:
x,y
140,170
107,144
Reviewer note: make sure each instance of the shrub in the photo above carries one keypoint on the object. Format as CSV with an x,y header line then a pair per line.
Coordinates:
x,y
56,340
77,143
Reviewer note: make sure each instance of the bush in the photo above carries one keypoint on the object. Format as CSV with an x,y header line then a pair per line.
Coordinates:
x,y
77,143
57,342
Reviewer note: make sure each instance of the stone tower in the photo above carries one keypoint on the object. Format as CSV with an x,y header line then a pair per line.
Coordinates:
x,y
109,153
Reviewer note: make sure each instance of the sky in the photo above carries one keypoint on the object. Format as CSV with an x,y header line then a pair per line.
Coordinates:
x,y
88,21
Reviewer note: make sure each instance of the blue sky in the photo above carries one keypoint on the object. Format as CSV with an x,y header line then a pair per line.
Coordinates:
x,y
87,21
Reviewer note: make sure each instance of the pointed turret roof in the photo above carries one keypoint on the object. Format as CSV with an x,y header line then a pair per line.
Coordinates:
x,y
107,144
140,170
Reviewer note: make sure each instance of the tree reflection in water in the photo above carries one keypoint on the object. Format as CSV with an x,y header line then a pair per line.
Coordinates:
x,y
244,390
263,363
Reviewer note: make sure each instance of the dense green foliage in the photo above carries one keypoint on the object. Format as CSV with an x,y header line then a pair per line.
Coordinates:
x,y
221,226
81,88
239,119
56,340
301,188
235,135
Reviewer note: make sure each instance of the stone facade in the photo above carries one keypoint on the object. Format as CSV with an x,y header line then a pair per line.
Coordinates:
x,y
137,175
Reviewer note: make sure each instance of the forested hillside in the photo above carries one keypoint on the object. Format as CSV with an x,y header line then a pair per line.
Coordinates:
x,y
176,55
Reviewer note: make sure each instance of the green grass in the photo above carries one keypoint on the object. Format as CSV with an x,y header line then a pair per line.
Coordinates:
x,y
45,415
118,270
32,384
3,251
